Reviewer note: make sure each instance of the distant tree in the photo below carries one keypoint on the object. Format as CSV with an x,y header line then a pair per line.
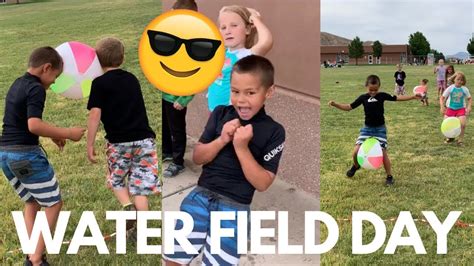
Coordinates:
x,y
356,49
437,55
470,47
377,47
419,45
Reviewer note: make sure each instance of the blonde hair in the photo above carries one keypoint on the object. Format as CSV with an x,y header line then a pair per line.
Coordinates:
x,y
461,74
110,52
245,14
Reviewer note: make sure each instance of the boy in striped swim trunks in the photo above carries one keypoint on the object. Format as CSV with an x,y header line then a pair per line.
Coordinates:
x,y
240,150
23,162
373,102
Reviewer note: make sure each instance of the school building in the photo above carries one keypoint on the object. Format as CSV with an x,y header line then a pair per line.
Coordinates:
x,y
335,49
295,104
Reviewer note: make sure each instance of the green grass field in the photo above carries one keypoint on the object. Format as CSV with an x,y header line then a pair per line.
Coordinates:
x,y
38,23
429,175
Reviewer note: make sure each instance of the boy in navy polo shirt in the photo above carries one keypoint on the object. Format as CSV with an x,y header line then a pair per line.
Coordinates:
x,y
240,149
373,102
22,160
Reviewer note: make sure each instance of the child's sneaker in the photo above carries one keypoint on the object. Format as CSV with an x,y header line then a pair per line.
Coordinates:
x,y
389,180
173,170
351,172
166,157
132,235
29,263
130,223
448,140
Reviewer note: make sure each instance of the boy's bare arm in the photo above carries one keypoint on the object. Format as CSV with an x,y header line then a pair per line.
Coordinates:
x,y
265,38
260,178
408,97
92,127
340,106
206,152
43,129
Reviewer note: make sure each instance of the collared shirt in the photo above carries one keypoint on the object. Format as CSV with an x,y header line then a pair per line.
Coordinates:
x,y
224,174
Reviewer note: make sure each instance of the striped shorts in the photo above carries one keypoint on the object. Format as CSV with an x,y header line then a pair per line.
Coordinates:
x,y
199,204
30,174
380,133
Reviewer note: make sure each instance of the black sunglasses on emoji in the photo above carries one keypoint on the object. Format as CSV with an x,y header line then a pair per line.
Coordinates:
x,y
199,49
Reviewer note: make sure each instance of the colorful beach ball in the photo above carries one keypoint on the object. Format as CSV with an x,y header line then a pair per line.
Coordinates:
x,y
370,154
81,66
420,90
451,127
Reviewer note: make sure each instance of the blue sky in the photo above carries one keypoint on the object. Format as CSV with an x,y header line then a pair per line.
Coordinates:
x,y
447,24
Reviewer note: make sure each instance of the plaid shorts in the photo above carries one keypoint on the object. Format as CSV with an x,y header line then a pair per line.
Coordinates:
x,y
136,162
30,174
399,90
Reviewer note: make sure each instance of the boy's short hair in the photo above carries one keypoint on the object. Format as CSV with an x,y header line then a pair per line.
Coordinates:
x,y
185,4
259,65
110,52
424,81
372,80
45,55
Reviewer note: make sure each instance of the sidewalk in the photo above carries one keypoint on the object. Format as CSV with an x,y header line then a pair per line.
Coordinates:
x,y
280,196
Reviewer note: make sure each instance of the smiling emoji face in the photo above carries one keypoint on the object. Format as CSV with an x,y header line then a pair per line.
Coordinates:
x,y
181,52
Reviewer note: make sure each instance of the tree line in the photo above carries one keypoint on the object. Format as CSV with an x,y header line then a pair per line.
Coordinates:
x,y
417,42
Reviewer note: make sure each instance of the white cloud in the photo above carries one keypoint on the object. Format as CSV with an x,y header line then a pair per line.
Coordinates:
x,y
447,25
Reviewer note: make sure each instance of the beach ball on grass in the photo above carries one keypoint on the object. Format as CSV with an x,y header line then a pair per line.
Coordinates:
x,y
370,154
451,127
81,66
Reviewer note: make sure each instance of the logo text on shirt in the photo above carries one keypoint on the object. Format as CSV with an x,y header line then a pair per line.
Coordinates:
x,y
371,100
274,152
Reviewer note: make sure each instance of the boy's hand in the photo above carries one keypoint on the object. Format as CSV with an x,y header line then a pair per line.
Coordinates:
x,y
91,154
331,103
468,110
242,136
178,106
417,96
442,110
60,143
229,129
76,133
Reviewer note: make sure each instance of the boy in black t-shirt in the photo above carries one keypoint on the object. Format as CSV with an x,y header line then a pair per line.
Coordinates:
x,y
373,102
22,160
399,80
116,100
240,149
